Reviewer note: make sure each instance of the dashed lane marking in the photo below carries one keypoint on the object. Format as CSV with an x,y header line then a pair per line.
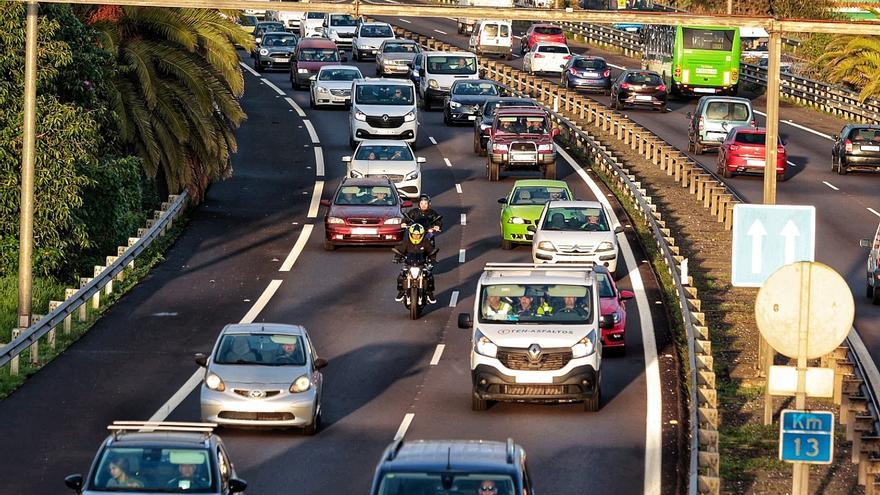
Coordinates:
x,y
404,425
791,164
872,210
433,141
458,188
272,85
312,133
801,127
299,111
404,20
316,199
297,248
461,255
453,299
441,32
249,69
319,162
464,218
832,186
435,359
448,163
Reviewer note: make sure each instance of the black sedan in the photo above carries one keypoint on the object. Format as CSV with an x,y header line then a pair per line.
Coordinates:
x,y
639,88
857,147
466,97
487,114
588,73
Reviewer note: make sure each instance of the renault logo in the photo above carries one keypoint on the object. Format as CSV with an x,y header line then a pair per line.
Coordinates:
x,y
257,394
534,352
385,118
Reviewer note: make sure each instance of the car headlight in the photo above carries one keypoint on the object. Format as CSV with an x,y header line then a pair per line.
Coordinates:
x,y
412,175
415,271
360,116
264,52
585,346
214,382
483,127
335,220
545,147
605,246
410,116
433,83
301,384
516,220
302,71
615,317
484,346
454,104
354,174
321,89
546,246
393,221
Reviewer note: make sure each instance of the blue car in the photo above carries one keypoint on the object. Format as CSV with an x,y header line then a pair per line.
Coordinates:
x,y
628,27
587,73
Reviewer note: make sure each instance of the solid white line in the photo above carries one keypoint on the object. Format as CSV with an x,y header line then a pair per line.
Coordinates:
x,y
453,299
620,67
271,85
654,398
404,20
830,185
312,133
441,32
437,353
464,218
316,199
299,111
458,188
261,302
431,138
319,161
803,128
171,404
297,248
461,255
448,163
872,210
407,419
249,69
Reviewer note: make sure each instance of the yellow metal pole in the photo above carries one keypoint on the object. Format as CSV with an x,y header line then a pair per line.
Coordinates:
x,y
772,117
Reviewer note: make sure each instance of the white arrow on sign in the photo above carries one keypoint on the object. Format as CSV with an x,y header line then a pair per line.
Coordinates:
x,y
790,232
757,232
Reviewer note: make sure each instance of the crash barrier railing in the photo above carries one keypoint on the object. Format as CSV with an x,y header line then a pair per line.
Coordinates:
x,y
835,100
704,458
85,302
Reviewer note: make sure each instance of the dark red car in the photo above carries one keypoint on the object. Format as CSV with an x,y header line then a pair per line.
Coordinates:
x,y
364,211
541,33
611,302
521,138
742,152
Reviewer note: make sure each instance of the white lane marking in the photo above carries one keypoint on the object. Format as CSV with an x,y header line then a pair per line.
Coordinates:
x,y
316,199
404,425
271,85
249,69
171,404
435,359
262,301
832,186
464,218
404,20
319,161
791,164
299,111
441,32
801,127
297,248
458,188
654,398
312,133
453,299
448,163
872,210
619,67
461,255
431,138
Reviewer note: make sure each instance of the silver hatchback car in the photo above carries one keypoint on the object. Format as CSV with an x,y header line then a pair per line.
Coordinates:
x,y
262,374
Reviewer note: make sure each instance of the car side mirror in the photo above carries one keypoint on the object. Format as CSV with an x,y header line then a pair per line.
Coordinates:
x,y
421,159
321,363
343,57
407,204
258,41
835,137
201,359
325,202
313,77
465,321
502,201
554,132
74,482
532,228
865,243
606,322
618,229
626,295
346,159
237,486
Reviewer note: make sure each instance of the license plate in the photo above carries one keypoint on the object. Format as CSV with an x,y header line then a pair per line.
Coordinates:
x,y
591,75
643,97
523,157
474,117
755,163
869,148
704,90
279,59
364,231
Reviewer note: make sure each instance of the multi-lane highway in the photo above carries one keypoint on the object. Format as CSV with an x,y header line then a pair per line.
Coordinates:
x,y
253,252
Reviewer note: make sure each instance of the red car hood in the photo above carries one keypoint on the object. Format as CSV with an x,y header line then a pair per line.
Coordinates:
x,y
608,305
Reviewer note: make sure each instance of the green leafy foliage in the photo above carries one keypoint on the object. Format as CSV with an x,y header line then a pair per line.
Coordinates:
x,y
853,61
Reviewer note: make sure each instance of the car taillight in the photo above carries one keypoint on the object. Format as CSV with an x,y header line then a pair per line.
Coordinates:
x,y
701,124
573,71
538,55
662,87
567,57
754,123
624,85
607,73
848,146
733,147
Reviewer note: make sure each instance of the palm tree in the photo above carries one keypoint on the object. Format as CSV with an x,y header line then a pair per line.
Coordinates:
x,y
177,88
854,61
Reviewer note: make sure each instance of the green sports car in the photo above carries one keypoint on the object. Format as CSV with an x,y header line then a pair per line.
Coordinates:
x,y
523,206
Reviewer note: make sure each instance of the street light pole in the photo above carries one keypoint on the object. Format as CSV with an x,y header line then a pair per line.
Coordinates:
x,y
26,232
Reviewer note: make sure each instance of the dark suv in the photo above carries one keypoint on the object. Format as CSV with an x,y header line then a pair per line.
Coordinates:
x,y
483,123
452,466
521,138
873,291
857,146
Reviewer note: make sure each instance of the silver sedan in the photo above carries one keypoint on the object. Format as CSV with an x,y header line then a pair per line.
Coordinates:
x,y
262,375
395,57
332,85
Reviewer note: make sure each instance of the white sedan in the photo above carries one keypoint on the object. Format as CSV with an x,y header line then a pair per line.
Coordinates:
x,y
389,158
332,85
546,57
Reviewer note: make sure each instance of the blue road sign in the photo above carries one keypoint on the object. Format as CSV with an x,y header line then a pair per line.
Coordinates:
x,y
768,237
806,436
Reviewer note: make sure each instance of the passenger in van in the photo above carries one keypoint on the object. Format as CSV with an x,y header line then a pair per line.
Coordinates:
x,y
496,309
570,307
535,127
119,475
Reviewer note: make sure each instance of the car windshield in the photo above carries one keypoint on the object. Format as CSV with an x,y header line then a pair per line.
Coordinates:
x,y
538,195
756,138
605,288
443,64
522,125
548,30
410,483
247,20
557,303
154,469
553,49
314,15
644,78
493,30
365,196
727,110
860,135
589,63
472,88
273,39
387,153
368,31
318,55
489,108
261,349
400,48
576,218
343,21
339,75
384,94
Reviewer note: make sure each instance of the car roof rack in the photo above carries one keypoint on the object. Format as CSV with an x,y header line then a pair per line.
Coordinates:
x,y
167,426
511,450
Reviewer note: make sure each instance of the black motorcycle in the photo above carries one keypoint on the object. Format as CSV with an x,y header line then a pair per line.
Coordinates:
x,y
417,269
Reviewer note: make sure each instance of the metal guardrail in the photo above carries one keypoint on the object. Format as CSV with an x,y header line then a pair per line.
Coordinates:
x,y
77,301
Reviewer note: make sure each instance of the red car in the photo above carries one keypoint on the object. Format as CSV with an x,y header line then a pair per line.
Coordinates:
x,y
742,152
611,302
541,33
364,211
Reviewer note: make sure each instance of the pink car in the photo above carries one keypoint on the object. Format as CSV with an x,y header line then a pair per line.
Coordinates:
x,y
611,302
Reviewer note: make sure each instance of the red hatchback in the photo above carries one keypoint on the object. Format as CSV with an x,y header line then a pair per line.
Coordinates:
x,y
611,302
541,33
364,211
742,152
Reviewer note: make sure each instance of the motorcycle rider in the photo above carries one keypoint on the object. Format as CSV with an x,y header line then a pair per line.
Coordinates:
x,y
414,245
425,215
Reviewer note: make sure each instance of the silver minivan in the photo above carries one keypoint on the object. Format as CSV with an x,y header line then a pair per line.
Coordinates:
x,y
714,117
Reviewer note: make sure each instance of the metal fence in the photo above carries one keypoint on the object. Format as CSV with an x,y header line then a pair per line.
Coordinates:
x,y
88,297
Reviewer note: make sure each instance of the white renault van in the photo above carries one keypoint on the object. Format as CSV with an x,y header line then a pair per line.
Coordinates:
x,y
439,70
383,109
492,36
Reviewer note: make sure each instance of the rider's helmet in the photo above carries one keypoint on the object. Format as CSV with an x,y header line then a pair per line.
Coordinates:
x,y
416,233
424,197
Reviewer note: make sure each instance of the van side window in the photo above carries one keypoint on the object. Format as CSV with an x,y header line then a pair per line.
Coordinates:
x,y
505,31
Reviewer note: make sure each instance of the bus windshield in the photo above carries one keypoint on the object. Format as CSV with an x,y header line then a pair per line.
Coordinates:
x,y
708,39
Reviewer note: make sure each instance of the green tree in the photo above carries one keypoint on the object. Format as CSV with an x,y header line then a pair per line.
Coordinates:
x,y
853,61
177,88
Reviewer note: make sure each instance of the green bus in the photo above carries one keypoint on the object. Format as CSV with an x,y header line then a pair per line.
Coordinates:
x,y
694,59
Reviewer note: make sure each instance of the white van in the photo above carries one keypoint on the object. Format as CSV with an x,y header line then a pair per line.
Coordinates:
x,y
439,70
383,109
492,36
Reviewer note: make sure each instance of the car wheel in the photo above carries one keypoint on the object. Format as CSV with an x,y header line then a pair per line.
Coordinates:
x,y
869,293
841,167
663,108
833,163
876,298
592,404
313,428
446,120
354,54
725,172
613,103
312,103
506,244
258,66
780,177
494,171
352,143
550,171
478,404
426,103
698,148
476,143
329,246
